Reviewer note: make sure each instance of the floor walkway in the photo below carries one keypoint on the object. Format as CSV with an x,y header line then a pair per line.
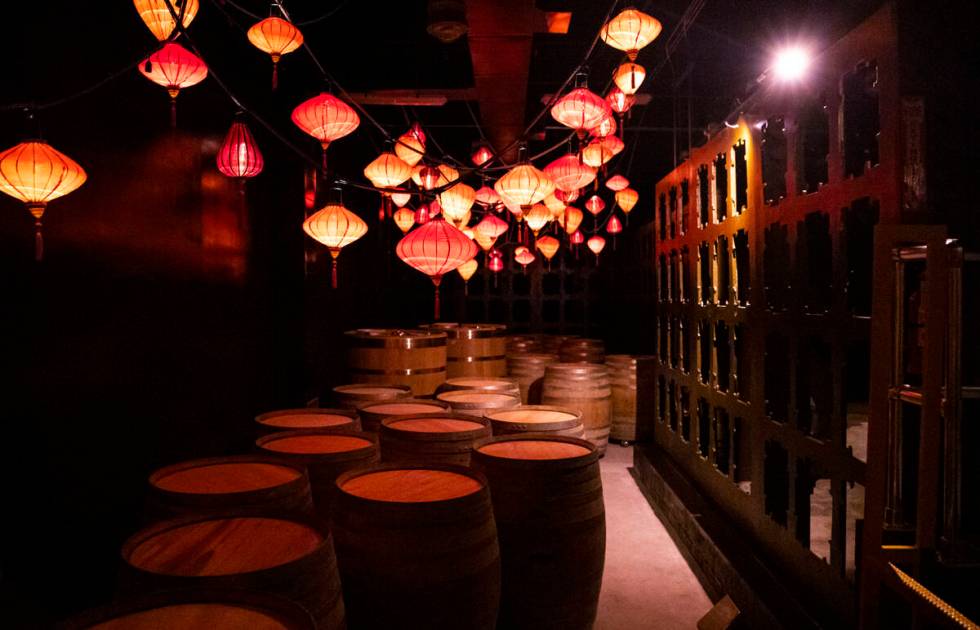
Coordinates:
x,y
647,584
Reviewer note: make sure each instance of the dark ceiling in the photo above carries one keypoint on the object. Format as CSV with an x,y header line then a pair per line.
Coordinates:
x,y
62,48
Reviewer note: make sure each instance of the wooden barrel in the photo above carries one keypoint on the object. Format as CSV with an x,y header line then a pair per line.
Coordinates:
x,y
356,395
537,419
551,344
417,548
284,555
196,610
416,358
431,438
582,386
325,456
218,484
475,349
373,414
547,501
495,385
622,380
333,420
583,351
528,370
476,403
521,344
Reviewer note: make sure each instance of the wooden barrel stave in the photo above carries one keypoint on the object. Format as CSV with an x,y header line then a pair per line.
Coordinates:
x,y
356,395
622,380
432,440
528,370
416,358
494,384
537,419
373,414
477,403
577,350
585,387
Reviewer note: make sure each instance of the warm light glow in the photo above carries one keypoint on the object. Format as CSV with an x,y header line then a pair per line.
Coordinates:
x,y
570,219
630,31
601,150
524,185
576,238
422,214
569,173
555,205
387,171
581,109
487,197
491,226
619,101
627,199
456,201
617,183
568,196
614,226
482,155
596,244
409,148
336,227
548,246
435,249
525,257
467,269
276,37
629,77
404,219
595,204
791,63
400,198
495,263
35,172
239,155
484,241
326,118
558,21
174,67
606,127
158,18
537,217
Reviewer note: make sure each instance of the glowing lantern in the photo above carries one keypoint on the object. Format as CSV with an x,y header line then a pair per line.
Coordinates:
x,y
619,101
626,199
326,118
555,205
435,249
569,173
239,155
577,238
422,214
629,76
601,150
466,270
409,148
614,226
36,173
485,242
401,198
606,127
525,257
488,230
404,219
581,110
570,219
566,196
617,183
630,31
524,185
275,37
448,174
596,244
595,204
456,201
158,18
495,263
487,197
548,246
174,68
537,217
519,249
336,227
435,209
387,171
481,155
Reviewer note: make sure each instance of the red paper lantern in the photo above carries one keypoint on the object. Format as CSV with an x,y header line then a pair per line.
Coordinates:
x,y
326,118
577,238
491,226
174,68
435,249
569,173
487,197
614,226
422,214
239,155
619,101
481,155
595,204
606,127
581,110
567,197
617,183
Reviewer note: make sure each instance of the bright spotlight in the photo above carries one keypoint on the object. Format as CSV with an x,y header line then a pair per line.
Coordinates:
x,y
791,63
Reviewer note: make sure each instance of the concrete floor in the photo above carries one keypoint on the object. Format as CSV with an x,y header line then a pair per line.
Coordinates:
x,y
647,584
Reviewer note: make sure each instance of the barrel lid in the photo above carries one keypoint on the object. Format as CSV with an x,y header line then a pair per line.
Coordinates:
x,y
411,484
435,423
217,476
303,443
404,408
220,546
481,382
368,389
475,396
307,418
396,338
532,357
534,449
533,414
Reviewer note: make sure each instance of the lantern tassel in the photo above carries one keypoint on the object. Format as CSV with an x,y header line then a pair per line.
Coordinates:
x,y
436,280
275,74
334,253
466,288
173,108
38,240
324,161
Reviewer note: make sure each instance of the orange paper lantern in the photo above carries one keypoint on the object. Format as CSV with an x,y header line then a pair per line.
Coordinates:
x,y
326,118
404,219
435,249
159,19
630,31
525,257
569,173
606,127
387,171
487,197
239,155
275,37
627,199
35,173
581,110
629,76
401,198
409,148
523,186
548,246
537,217
596,244
570,219
174,68
466,271
601,150
336,227
456,201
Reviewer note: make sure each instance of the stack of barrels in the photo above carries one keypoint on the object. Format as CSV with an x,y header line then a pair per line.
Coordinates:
x,y
418,501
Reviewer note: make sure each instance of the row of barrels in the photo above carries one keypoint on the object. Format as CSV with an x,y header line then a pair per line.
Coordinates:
x,y
454,528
